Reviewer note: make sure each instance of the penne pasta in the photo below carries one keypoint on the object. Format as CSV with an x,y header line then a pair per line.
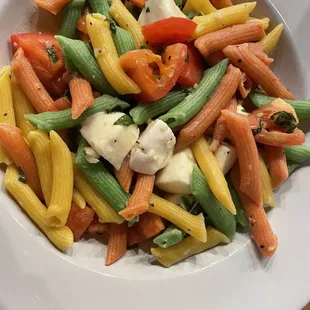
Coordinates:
x,y
125,174
220,4
117,244
61,237
62,188
242,58
194,225
199,6
211,170
263,21
22,106
6,108
40,145
82,96
268,197
237,34
245,86
78,199
52,6
61,104
211,110
31,84
277,165
138,203
188,247
106,54
126,21
236,14
271,40
250,177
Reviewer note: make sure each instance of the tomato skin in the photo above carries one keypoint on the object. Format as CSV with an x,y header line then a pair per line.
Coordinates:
x,y
49,71
139,3
139,66
192,71
169,31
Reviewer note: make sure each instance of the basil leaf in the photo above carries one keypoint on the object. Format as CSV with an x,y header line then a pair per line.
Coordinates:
x,y
259,128
52,53
21,176
285,120
124,120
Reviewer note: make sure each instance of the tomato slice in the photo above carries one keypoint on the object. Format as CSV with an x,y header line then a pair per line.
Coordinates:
x,y
169,31
156,76
44,53
192,71
139,3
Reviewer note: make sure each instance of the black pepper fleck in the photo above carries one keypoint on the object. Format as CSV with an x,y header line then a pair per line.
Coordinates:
x,y
147,42
91,23
188,229
239,61
169,57
126,25
115,141
5,114
152,205
261,246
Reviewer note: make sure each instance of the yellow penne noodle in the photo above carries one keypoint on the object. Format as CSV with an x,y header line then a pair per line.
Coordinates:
x,y
106,214
210,168
188,247
268,197
6,108
62,189
194,225
236,14
106,54
126,20
61,237
270,41
22,106
264,21
40,145
78,199
199,6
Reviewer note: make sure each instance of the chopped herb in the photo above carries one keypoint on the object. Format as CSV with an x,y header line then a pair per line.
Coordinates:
x,y
259,128
285,120
143,47
112,25
52,53
21,176
178,3
158,77
124,120
187,58
147,10
192,14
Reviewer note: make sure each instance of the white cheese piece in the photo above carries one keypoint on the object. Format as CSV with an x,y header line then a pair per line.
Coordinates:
x,y
177,198
153,149
112,142
91,155
241,110
226,156
155,10
176,177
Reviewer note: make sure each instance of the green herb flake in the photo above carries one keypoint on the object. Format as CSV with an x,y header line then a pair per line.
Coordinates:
x,y
21,176
285,120
147,10
112,25
143,47
158,77
52,53
124,120
259,128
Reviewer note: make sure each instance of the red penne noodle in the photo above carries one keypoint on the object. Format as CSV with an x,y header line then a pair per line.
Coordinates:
x,y
237,34
31,84
149,226
62,103
79,220
243,58
220,129
117,244
220,4
81,24
262,234
13,141
250,178
139,200
125,174
82,96
277,165
246,85
52,6
211,110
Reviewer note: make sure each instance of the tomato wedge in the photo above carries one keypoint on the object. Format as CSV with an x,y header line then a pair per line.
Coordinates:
x,y
139,3
169,31
44,53
155,75
192,71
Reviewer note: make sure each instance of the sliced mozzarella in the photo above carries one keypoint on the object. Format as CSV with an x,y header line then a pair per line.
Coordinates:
x,y
226,156
112,142
176,177
177,198
91,155
155,10
153,149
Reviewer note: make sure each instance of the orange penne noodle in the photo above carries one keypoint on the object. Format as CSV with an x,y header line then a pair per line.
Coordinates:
x,y
214,58
96,227
220,129
62,103
125,174
244,59
13,141
246,85
220,4
250,178
82,96
262,233
139,200
149,226
237,34
117,244
277,165
211,110
31,84
52,6
81,24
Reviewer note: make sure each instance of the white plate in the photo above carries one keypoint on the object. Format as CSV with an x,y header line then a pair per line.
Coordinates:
x,y
33,275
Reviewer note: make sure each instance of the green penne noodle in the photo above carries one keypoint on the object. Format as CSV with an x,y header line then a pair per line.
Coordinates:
x,y
292,167
297,154
123,41
100,6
